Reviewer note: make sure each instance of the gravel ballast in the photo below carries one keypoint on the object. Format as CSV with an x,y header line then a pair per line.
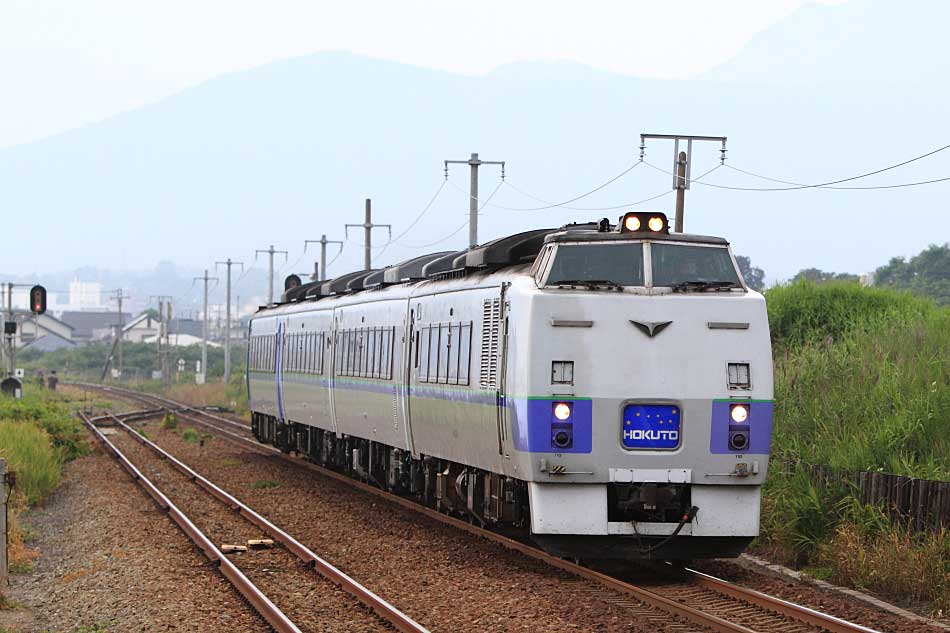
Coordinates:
x,y
110,558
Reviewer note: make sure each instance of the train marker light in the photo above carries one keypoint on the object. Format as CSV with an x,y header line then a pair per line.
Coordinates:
x,y
562,411
644,222
37,299
739,413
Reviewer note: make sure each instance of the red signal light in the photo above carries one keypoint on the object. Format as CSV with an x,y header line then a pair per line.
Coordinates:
x,y
38,299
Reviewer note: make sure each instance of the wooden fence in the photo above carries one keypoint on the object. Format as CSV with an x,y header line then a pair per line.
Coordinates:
x,y
922,504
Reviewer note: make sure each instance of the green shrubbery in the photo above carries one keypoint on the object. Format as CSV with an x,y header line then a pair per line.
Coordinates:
x,y
862,382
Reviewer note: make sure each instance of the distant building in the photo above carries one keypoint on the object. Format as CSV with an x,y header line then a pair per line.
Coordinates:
x,y
85,296
182,340
140,328
43,332
93,326
185,326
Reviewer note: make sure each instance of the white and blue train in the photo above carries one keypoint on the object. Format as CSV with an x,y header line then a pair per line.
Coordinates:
x,y
606,389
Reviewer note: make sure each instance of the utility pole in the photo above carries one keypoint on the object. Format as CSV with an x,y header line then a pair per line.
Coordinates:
x,y
166,348
270,270
204,325
162,329
118,296
320,274
473,192
11,338
368,227
682,165
227,317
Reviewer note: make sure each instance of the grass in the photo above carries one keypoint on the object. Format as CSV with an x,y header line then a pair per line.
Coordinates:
x,y
264,484
38,434
169,421
190,435
862,382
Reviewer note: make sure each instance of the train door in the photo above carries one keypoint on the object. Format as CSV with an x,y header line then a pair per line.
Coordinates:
x,y
502,397
332,366
407,377
279,369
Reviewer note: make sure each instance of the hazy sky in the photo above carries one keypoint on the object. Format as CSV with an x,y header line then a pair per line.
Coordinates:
x,y
69,62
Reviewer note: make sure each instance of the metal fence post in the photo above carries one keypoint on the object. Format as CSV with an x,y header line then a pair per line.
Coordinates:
x,y
3,523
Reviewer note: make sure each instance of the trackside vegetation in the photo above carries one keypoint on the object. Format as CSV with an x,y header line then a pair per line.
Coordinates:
x,y
862,383
38,434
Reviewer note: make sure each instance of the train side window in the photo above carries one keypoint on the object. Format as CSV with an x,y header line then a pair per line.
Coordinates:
x,y
386,368
444,342
453,353
465,352
435,346
424,354
341,347
372,354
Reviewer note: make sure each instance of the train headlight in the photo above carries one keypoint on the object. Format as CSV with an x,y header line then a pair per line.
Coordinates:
x,y
631,223
739,413
644,222
562,411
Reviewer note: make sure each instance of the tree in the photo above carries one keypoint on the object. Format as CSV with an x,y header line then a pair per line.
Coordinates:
x,y
820,276
754,277
927,273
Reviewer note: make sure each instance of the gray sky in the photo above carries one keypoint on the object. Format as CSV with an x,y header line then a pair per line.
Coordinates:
x,y
64,63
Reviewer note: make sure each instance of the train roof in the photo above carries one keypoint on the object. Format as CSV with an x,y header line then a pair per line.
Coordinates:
x,y
503,252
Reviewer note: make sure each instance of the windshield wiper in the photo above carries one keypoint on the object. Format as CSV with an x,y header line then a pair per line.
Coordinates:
x,y
685,286
588,283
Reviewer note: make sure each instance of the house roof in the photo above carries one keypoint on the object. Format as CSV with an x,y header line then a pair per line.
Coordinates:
x,y
47,315
84,323
50,342
142,317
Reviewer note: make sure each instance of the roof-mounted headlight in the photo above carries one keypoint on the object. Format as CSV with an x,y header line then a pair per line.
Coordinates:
x,y
644,222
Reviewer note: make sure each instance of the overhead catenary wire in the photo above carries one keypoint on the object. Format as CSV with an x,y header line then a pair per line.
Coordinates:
x,y
415,221
831,183
565,203
625,205
456,231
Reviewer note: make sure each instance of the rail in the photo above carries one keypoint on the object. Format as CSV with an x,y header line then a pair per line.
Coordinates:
x,y
775,605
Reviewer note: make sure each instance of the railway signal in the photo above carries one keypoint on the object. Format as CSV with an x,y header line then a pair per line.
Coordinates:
x,y
37,299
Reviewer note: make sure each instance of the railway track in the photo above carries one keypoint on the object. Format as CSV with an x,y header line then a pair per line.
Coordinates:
x,y
700,599
277,568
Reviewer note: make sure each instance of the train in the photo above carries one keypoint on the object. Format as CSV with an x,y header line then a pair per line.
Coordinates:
x,y
602,389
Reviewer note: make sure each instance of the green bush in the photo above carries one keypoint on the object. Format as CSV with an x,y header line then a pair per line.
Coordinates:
x,y
808,313
190,435
51,413
862,382
30,453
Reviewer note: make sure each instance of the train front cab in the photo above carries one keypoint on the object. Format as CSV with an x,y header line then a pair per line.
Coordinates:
x,y
648,421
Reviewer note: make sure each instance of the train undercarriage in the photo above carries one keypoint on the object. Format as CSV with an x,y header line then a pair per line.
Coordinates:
x,y
482,497
498,502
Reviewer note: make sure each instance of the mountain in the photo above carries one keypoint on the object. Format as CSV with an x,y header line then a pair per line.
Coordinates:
x,y
862,40
288,152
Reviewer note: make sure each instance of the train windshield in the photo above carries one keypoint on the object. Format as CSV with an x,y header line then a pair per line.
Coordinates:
x,y
678,265
597,264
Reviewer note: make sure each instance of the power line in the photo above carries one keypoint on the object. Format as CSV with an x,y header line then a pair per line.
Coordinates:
x,y
417,218
456,231
625,205
828,184
552,205
444,239
801,186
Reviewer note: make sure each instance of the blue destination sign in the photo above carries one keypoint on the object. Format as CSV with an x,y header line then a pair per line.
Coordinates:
x,y
651,426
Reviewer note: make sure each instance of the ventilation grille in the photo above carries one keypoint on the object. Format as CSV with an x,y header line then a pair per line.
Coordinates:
x,y
491,317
